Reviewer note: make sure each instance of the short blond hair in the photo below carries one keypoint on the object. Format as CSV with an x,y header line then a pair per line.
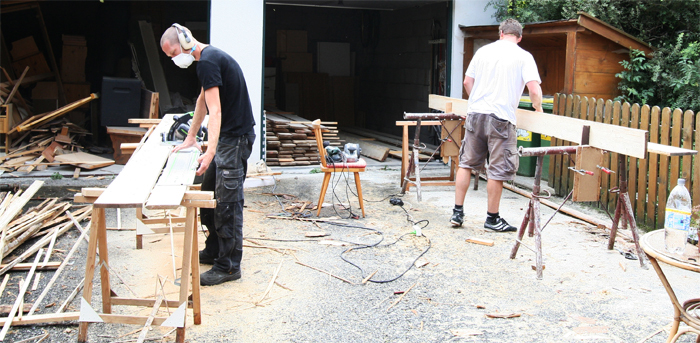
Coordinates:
x,y
511,27
170,36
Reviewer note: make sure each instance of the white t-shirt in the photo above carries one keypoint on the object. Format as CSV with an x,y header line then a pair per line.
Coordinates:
x,y
500,71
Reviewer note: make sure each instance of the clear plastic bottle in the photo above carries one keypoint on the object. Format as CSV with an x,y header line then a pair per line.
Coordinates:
x,y
677,222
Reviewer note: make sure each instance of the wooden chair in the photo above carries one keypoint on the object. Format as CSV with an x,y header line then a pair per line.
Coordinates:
x,y
329,168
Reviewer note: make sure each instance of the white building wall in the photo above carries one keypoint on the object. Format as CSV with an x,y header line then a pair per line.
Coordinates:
x,y
466,13
237,27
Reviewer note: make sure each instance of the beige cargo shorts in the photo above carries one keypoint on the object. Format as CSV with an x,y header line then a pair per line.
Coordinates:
x,y
487,135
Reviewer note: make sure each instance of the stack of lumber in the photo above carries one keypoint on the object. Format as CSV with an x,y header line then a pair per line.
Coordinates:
x,y
380,145
291,141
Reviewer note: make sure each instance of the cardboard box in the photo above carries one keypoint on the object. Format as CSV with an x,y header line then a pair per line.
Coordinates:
x,y
24,47
296,62
36,63
291,41
73,63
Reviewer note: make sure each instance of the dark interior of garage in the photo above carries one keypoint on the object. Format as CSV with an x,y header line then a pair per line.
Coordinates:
x,y
361,64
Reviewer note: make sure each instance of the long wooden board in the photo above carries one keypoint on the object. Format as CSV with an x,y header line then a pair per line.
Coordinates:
x,y
623,140
133,185
177,175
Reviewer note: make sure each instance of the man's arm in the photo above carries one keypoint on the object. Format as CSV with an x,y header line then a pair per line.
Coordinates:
x,y
533,87
468,84
200,111
213,103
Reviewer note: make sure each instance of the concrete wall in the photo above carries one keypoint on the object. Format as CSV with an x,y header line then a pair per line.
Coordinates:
x,y
466,13
237,27
395,76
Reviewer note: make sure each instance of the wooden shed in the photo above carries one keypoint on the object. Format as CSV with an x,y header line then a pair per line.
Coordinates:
x,y
577,56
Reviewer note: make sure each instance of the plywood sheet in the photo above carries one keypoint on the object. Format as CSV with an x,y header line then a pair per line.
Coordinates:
x,y
587,187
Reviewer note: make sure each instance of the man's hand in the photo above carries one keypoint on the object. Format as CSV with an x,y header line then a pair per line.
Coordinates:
x,y
204,162
189,142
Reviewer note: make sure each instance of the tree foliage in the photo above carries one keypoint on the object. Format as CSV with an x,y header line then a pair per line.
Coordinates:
x,y
671,77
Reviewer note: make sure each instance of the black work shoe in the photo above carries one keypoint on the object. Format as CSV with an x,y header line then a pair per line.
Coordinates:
x,y
500,225
457,217
205,258
214,277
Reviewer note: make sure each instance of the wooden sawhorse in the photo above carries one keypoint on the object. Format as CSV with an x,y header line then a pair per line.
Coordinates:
x,y
190,264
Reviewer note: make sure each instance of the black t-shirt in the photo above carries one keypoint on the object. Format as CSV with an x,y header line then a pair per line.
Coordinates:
x,y
217,68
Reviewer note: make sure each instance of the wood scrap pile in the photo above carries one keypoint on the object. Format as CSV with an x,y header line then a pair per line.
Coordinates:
x,y
291,140
47,220
55,143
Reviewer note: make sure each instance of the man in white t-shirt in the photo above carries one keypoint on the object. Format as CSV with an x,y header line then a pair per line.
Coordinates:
x,y
495,80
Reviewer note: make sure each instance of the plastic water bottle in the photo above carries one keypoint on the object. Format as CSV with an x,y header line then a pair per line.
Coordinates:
x,y
677,221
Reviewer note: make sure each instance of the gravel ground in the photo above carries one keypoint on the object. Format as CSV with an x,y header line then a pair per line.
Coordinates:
x,y
587,294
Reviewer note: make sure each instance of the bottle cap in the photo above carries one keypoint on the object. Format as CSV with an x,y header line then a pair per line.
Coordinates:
x,y
681,182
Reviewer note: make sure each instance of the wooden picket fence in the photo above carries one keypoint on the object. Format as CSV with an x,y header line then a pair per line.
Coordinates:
x,y
649,180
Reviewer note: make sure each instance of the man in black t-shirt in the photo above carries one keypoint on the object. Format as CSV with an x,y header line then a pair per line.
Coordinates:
x,y
224,96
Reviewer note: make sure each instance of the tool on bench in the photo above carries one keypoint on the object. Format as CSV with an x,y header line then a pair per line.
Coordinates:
x,y
181,127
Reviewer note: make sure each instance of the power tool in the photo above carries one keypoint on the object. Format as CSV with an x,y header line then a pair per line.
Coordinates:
x,y
178,131
352,152
333,153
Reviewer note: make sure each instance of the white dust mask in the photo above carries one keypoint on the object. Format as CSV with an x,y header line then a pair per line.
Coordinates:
x,y
184,60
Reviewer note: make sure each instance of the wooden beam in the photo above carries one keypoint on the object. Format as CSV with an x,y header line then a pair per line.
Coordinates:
x,y
54,114
623,140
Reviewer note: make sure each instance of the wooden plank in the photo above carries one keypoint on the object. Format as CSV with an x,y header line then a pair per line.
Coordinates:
x,y
553,177
669,150
586,187
133,185
614,159
653,168
643,169
630,142
44,118
126,130
632,169
178,174
453,141
687,137
677,122
664,167
439,103
84,160
16,86
148,121
153,57
565,162
607,119
26,266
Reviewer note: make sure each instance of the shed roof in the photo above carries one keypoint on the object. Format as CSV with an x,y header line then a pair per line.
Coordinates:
x,y
584,22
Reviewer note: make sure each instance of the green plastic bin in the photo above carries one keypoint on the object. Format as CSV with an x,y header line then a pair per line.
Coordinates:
x,y
528,139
